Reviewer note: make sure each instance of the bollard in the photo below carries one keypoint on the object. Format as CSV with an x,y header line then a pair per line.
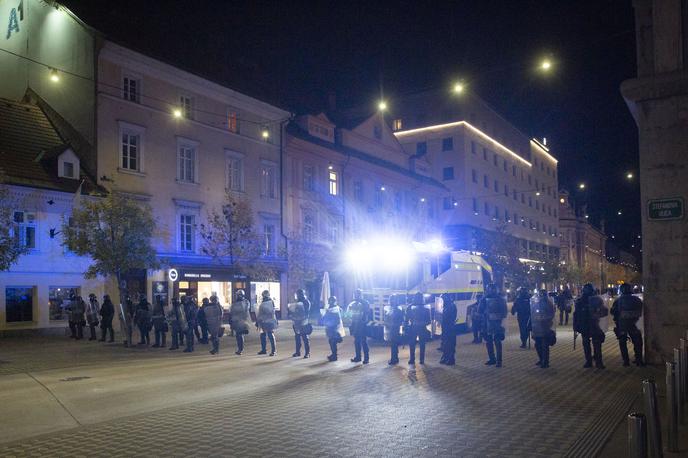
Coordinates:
x,y
652,414
637,443
678,377
672,408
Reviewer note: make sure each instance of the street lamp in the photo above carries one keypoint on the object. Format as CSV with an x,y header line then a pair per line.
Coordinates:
x,y
382,105
629,175
177,113
459,87
581,186
54,76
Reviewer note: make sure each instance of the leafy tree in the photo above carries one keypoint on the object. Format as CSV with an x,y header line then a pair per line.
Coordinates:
x,y
308,260
501,250
230,236
10,248
115,232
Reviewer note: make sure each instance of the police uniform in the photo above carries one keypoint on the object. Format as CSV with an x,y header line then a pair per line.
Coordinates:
x,y
521,309
542,314
586,321
493,308
448,331
213,316
92,309
299,313
361,315
334,329
476,320
416,320
266,320
76,318
142,318
176,318
159,324
190,313
238,320
107,314
394,320
627,310
564,299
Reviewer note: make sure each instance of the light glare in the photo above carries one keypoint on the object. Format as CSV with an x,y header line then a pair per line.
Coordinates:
x,y
382,106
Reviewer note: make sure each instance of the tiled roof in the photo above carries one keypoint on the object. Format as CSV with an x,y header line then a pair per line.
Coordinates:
x,y
29,147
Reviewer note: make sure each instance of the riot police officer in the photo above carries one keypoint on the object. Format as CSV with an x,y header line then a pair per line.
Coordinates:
x,y
542,320
159,323
627,310
92,309
126,320
107,313
476,319
416,319
334,329
239,319
299,312
361,315
564,299
213,316
176,319
493,308
76,318
586,321
394,320
521,309
266,321
190,312
448,331
142,318
201,323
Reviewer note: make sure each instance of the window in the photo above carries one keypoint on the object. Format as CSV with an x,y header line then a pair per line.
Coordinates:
x,y
397,124
358,190
513,194
332,231
186,232
308,225
486,181
421,148
495,160
515,218
496,213
187,106
25,229
447,144
475,206
269,239
268,181
18,304
187,164
506,166
131,89
235,173
59,299
530,201
448,173
398,201
484,153
506,216
486,208
232,121
474,176
447,203
496,186
68,169
308,178
530,181
131,151
474,148
506,190
513,170
537,204
333,183
523,198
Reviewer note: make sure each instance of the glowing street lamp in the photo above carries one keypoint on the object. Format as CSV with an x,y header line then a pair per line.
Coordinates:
x,y
581,186
177,113
619,213
546,65
382,105
629,175
459,88
265,134
54,76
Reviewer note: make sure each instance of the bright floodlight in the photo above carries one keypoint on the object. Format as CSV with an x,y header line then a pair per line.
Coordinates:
x,y
629,175
619,213
382,105
436,246
561,201
394,255
177,113
546,65
581,186
459,88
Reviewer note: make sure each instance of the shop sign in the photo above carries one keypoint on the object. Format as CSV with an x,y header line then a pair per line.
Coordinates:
x,y
173,275
665,209
204,275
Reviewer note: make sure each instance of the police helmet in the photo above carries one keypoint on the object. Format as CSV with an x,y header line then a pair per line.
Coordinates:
x,y
332,301
491,289
240,293
625,288
265,294
205,301
588,289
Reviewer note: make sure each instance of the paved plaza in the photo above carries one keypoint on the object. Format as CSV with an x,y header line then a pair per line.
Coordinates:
x,y
59,397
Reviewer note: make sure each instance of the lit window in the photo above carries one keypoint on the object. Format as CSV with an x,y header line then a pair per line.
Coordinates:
x,y
232,121
187,164
397,124
18,304
333,183
59,301
186,232
25,229
186,105
130,151
235,174
131,89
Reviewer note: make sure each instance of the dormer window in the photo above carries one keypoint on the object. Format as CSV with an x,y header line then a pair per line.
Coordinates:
x,y
68,169
68,165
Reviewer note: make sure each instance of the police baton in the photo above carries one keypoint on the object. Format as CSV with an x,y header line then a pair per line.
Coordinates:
x,y
528,329
575,335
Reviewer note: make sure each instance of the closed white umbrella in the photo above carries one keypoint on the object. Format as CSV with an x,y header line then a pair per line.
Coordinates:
x,y
325,291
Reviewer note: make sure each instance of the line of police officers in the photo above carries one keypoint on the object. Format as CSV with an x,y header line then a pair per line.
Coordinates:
x,y
404,324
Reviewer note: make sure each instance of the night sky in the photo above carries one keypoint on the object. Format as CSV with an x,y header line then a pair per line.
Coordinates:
x,y
295,53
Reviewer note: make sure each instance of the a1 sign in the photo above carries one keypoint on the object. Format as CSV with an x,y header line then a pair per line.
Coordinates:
x,y
665,209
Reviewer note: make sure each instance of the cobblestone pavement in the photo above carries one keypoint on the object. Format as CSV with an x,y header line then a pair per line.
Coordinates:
x,y
296,407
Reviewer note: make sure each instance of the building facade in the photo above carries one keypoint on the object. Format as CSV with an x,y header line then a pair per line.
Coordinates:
x,y
658,100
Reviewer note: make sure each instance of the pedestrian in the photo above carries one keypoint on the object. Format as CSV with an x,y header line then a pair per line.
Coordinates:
x,y
76,318
266,321
212,310
627,310
361,316
521,309
542,315
107,314
176,318
160,325
190,312
239,319
394,320
126,320
92,309
494,310
202,323
299,312
473,311
142,318
564,300
449,313
334,329
590,309
416,320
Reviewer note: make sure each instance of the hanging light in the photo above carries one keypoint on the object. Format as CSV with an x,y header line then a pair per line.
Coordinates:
x,y
177,113
265,133
54,75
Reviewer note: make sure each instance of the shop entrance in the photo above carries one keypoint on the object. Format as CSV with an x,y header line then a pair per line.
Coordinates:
x,y
203,283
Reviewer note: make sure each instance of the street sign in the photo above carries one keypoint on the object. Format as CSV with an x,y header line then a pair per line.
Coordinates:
x,y
665,209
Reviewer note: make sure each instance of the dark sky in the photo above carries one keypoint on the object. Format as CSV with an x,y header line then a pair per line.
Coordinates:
x,y
295,53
